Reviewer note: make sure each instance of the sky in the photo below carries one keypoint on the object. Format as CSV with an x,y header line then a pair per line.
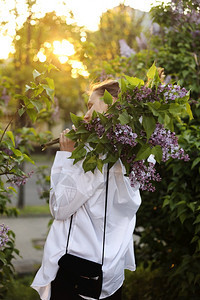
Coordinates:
x,y
86,12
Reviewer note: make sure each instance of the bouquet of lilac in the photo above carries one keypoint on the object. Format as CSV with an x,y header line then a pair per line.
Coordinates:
x,y
138,129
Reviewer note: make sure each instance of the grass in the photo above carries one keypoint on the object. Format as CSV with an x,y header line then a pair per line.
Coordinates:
x,y
34,210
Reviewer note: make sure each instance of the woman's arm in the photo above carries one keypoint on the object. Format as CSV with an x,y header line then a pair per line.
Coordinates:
x,y
65,143
71,187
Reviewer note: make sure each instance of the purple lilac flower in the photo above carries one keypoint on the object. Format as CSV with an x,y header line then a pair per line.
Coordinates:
x,y
184,13
143,175
18,140
20,180
145,94
56,110
142,41
125,50
98,127
7,151
5,96
171,92
123,134
3,235
168,142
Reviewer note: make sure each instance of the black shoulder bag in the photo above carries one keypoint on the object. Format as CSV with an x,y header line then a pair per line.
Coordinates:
x,y
78,276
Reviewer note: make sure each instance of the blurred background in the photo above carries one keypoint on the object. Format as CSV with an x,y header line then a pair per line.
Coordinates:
x,y
50,53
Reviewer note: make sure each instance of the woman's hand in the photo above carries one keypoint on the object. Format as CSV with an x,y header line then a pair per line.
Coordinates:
x,y
65,143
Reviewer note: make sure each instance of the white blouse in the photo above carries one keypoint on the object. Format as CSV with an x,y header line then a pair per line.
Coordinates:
x,y
82,195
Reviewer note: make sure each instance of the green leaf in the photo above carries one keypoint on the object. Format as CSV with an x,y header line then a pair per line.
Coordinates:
x,y
174,108
37,104
124,118
100,164
93,138
143,153
36,74
183,217
90,163
191,205
79,152
50,82
107,97
72,135
27,87
76,120
195,162
188,109
167,120
149,125
46,101
99,148
198,247
110,158
82,129
197,229
154,107
103,119
3,258
21,111
27,158
11,136
195,238
157,152
134,81
122,84
94,114
12,189
152,71
38,90
17,152
166,202
49,91
197,220
32,113
50,67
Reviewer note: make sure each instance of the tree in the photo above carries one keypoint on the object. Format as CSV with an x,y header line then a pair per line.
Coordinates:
x,y
121,22
14,149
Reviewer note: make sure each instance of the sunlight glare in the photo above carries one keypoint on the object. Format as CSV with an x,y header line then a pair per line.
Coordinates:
x,y
6,41
63,59
47,45
78,68
41,56
64,48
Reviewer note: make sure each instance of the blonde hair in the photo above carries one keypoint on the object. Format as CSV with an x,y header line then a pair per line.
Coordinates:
x,y
112,86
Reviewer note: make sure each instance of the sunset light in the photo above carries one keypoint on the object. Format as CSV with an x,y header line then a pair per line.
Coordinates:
x,y
7,48
86,13
63,48
78,68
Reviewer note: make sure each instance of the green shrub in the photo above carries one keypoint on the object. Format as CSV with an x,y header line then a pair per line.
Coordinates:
x,y
19,289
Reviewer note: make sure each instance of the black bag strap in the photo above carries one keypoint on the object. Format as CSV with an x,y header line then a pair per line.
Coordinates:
x,y
105,218
105,215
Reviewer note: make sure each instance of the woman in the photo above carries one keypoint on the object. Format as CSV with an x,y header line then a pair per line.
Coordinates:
x,y
82,195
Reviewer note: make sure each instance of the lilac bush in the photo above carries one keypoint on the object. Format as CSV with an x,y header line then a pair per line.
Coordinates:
x,y
3,236
20,180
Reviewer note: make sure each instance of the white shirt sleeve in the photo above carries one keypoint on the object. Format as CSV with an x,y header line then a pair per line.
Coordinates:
x,y
71,187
